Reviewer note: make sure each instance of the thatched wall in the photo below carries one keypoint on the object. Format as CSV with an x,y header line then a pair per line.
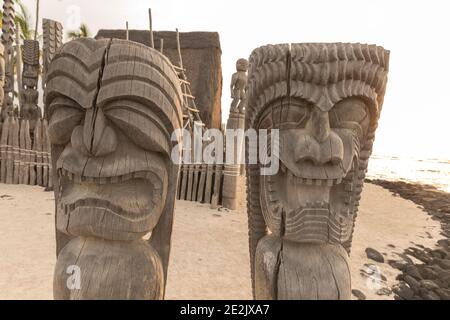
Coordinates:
x,y
201,54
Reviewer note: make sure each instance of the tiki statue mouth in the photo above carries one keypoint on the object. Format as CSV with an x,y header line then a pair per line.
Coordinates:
x,y
133,197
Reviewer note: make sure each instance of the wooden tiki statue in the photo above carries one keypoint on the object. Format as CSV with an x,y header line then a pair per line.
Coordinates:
x,y
7,39
30,77
325,100
112,107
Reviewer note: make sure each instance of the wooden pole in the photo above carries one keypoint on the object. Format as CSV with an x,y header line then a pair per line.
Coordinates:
x,y
45,154
128,32
37,20
162,45
10,153
15,150
179,50
38,149
22,152
48,147
19,66
4,149
152,42
30,174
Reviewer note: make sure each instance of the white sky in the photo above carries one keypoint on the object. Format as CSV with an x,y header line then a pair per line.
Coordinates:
x,y
416,116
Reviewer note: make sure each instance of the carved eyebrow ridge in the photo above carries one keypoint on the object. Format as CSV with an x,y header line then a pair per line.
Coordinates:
x,y
139,108
146,81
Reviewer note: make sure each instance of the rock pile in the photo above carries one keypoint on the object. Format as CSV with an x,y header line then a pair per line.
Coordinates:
x,y
425,272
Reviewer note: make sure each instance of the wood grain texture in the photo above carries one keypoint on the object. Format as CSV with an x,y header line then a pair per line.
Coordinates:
x,y
325,101
112,106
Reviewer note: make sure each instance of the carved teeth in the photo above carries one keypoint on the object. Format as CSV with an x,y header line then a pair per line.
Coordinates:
x,y
307,181
61,173
140,175
127,177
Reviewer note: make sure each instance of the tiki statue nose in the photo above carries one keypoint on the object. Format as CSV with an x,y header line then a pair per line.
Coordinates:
x,y
95,138
319,125
320,145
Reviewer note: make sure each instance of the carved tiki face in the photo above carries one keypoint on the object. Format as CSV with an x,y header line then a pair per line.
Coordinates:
x,y
326,100
30,63
242,65
112,107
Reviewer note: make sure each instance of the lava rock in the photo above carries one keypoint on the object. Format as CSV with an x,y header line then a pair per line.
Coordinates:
x,y
374,255
445,243
384,292
404,291
430,296
413,283
444,263
413,271
439,254
444,294
359,294
428,273
398,264
429,285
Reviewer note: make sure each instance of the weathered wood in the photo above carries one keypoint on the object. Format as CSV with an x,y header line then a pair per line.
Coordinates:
x,y
236,124
114,180
45,154
184,181
7,37
22,153
52,34
215,198
301,217
37,148
16,151
195,182
29,94
28,151
209,183
190,182
10,152
31,156
201,183
19,64
4,149
152,42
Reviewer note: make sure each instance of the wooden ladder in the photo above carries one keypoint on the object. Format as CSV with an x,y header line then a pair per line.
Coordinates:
x,y
191,113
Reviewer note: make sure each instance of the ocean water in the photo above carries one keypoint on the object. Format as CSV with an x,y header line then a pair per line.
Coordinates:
x,y
434,172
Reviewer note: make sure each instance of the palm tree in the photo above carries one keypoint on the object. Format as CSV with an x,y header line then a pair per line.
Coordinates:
x,y
23,19
82,32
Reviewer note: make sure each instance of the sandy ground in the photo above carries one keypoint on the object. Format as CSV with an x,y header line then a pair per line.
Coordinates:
x,y
210,255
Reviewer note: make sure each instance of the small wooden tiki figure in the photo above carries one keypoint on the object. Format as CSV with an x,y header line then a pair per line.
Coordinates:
x,y
30,75
112,106
238,85
325,101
